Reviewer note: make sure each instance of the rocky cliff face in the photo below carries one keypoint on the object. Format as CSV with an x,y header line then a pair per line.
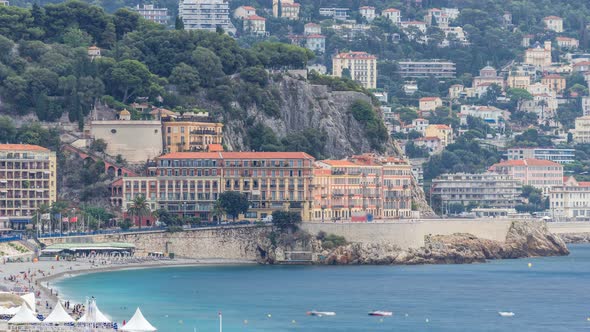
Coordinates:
x,y
303,106
575,237
524,239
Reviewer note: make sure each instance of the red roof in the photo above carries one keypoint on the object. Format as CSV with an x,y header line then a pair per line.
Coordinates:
x,y
552,18
315,36
583,63
440,126
22,147
390,10
367,7
553,76
565,38
248,8
295,4
527,162
255,18
413,23
429,98
355,55
338,162
215,148
311,25
236,155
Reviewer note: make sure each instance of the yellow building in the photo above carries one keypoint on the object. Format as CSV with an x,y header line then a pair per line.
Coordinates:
x,y
27,181
555,82
443,132
185,135
519,81
288,9
539,56
362,67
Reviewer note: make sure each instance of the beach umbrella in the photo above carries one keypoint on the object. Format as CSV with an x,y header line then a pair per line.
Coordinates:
x,y
138,323
23,316
59,315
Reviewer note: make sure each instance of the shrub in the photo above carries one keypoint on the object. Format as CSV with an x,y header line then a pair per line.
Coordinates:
x,y
332,241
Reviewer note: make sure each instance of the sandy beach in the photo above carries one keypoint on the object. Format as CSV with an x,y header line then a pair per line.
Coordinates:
x,y
38,277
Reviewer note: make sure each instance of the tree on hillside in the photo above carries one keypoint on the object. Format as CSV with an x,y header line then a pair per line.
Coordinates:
x,y
139,208
130,78
517,96
234,203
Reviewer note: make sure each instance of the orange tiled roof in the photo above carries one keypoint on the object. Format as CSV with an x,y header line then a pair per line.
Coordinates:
x,y
338,162
215,148
255,18
552,17
391,10
236,155
429,98
248,8
440,126
22,147
527,162
355,55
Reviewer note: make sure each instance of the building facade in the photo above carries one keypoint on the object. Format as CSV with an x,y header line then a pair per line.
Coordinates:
x,y
255,24
556,83
429,103
364,186
538,56
443,132
561,156
368,12
570,201
553,23
205,15
541,174
582,130
477,190
27,181
393,14
286,9
244,11
154,14
335,13
189,183
361,65
186,135
436,68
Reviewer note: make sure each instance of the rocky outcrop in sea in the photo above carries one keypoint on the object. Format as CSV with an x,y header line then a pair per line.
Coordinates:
x,y
524,239
575,237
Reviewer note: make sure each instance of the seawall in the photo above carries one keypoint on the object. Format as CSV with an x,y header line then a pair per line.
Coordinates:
x,y
407,235
237,243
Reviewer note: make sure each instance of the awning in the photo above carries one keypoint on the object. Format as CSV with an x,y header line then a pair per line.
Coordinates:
x,y
20,221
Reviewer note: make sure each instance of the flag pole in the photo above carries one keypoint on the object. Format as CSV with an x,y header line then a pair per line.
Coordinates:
x,y
220,322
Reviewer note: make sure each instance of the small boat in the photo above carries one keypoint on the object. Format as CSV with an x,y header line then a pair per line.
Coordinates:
x,y
321,313
506,313
381,313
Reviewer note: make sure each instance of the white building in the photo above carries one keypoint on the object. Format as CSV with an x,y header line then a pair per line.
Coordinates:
x,y
420,125
136,141
312,29
394,15
570,201
205,15
367,12
154,14
244,11
255,24
586,105
493,116
361,65
336,13
554,23
582,130
562,156
567,42
316,43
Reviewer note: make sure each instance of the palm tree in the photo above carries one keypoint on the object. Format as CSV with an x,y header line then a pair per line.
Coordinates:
x,y
43,209
217,212
139,208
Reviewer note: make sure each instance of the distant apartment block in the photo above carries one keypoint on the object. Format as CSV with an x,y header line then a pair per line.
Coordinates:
x,y
491,115
443,132
185,135
361,66
254,24
363,185
562,156
4,3
567,42
429,103
393,14
312,29
244,11
570,201
368,13
582,130
518,80
479,189
541,174
539,56
553,23
555,82
27,181
205,15
335,13
586,105
420,69
154,14
285,9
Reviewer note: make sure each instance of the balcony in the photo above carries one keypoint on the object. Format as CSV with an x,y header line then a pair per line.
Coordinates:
x,y
203,132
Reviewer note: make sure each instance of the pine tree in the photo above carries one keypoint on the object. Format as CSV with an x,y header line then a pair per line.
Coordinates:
x,y
178,23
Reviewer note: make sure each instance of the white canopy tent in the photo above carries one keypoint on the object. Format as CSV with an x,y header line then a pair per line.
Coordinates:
x,y
59,315
93,315
30,300
138,323
9,311
23,316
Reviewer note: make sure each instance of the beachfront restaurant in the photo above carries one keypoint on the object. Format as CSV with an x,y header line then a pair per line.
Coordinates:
x,y
68,250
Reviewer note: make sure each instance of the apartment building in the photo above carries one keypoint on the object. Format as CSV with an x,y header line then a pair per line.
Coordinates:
x,y
368,12
335,13
488,75
556,83
582,130
553,23
436,68
476,189
364,185
541,174
4,3
185,135
254,24
27,181
361,65
205,15
312,29
393,14
429,103
561,156
285,9
154,14
570,201
586,105
443,132
539,56
244,11
567,42
493,116
518,80
189,183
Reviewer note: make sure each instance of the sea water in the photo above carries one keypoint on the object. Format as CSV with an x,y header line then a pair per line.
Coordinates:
x,y
553,294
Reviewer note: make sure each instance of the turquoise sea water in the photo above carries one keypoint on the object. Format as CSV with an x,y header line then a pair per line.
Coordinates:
x,y
552,295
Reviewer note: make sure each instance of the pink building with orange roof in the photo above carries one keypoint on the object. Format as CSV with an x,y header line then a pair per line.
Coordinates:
x,y
541,174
